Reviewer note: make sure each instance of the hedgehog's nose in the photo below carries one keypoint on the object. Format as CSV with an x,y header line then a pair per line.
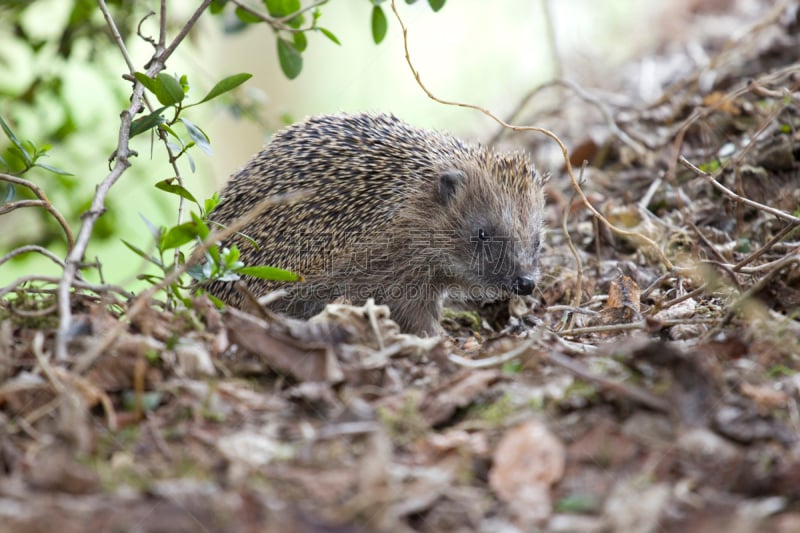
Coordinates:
x,y
523,285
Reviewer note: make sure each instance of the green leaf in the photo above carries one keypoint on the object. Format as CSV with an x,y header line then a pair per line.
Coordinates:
x,y
148,82
184,81
29,148
379,24
11,193
155,231
149,400
251,241
177,236
409,2
198,136
282,8
143,124
54,170
210,203
290,59
168,90
269,273
300,41
296,22
13,138
512,367
202,227
216,301
141,253
166,127
436,5
165,87
217,6
150,278
327,33
169,185
246,17
232,258
224,85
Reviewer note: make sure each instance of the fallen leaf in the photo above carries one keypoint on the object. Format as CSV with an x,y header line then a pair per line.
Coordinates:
x,y
440,403
304,359
765,397
528,460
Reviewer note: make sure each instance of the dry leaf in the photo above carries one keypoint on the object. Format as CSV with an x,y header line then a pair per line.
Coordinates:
x,y
623,303
624,292
305,359
528,460
765,397
440,403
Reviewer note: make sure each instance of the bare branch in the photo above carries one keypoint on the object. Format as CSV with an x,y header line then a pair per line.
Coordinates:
x,y
45,203
32,248
112,26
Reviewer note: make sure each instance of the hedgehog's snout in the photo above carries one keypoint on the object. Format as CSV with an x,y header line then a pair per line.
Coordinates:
x,y
523,285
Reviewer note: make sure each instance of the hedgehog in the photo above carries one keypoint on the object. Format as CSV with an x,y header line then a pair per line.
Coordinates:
x,y
406,216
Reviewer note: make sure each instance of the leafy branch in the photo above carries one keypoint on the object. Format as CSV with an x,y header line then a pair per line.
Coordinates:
x,y
122,157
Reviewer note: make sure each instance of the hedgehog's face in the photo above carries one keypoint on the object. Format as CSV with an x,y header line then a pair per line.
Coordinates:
x,y
497,231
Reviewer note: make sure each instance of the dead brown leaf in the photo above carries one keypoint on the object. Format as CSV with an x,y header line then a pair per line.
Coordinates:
x,y
305,359
766,398
440,403
528,460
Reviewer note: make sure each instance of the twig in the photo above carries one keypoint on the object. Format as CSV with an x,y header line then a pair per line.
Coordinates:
x,y
761,251
162,26
169,50
576,298
99,289
651,191
630,326
116,35
663,258
569,308
32,248
729,193
279,23
760,90
44,311
497,360
778,263
659,280
45,203
691,294
638,146
37,347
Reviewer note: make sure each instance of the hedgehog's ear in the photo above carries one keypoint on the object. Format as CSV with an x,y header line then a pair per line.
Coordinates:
x,y
449,182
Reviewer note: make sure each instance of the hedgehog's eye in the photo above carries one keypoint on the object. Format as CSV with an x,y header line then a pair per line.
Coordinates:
x,y
482,235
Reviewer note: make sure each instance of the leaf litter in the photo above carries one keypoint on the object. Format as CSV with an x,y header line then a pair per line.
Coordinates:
x,y
623,396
